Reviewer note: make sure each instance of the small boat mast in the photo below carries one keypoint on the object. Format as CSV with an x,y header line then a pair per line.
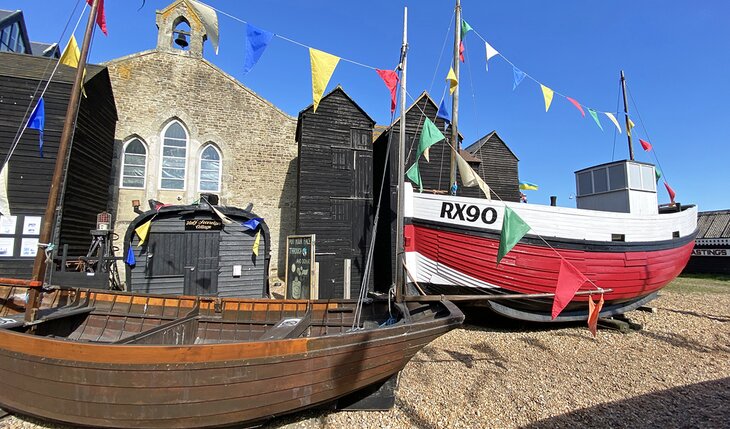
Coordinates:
x,y
455,101
626,114
399,248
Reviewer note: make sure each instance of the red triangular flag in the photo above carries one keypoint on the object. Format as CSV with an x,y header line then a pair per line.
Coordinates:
x,y
645,144
569,281
577,106
391,81
593,312
670,191
100,16
461,51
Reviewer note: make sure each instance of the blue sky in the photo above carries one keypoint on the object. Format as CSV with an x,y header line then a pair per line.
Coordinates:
x,y
671,53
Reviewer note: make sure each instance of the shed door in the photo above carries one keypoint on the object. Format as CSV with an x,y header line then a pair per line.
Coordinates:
x,y
201,263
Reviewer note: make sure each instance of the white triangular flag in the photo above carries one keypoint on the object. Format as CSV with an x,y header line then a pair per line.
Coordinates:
x,y
490,53
470,178
613,119
4,202
210,21
222,217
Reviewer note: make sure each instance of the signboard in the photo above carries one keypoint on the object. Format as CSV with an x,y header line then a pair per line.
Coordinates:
x,y
299,266
711,252
203,225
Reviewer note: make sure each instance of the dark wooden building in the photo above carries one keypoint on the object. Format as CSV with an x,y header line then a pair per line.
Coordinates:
x,y
189,250
495,162
86,191
335,188
711,254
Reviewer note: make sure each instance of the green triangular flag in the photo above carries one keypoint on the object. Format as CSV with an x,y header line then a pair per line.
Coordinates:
x,y
430,135
513,229
657,173
465,28
594,114
415,175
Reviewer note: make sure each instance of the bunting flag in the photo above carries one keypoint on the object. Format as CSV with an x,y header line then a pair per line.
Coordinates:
x,y
594,115
513,229
490,53
142,232
613,119
465,28
256,243
451,78
547,93
527,186
221,216
444,112
645,144
71,56
670,191
391,81
577,106
461,51
37,121
430,135
519,75
569,281
257,40
130,259
100,16
593,312
323,65
657,173
470,178
252,223
630,126
4,201
210,21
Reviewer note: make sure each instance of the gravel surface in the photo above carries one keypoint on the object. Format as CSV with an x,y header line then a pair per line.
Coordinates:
x,y
494,372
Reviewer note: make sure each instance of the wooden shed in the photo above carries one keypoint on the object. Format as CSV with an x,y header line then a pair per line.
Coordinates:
x,y
86,191
711,254
335,188
190,250
495,162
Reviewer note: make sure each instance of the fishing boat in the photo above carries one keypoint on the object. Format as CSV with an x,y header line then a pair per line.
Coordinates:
x,y
116,359
618,237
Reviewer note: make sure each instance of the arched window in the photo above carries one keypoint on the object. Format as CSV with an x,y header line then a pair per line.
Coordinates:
x,y
210,169
174,156
134,164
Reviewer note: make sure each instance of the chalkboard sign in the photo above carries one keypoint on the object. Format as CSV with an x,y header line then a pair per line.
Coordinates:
x,y
299,266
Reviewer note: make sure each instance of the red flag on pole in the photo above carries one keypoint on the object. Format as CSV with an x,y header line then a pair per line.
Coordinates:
x,y
461,51
593,312
391,81
100,16
645,144
670,191
569,281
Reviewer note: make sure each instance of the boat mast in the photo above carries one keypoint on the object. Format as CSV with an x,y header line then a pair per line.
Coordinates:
x,y
39,266
399,250
455,99
626,113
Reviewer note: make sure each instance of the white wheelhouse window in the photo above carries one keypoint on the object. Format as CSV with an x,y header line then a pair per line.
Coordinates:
x,y
174,156
134,164
209,174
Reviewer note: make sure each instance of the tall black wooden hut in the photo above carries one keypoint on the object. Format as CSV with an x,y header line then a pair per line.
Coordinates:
x,y
711,254
495,162
335,188
190,250
86,191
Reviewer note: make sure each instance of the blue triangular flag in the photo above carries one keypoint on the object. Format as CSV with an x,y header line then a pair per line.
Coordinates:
x,y
444,112
37,121
519,75
252,223
130,260
256,42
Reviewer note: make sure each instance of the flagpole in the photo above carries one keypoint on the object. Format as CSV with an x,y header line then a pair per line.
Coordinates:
x,y
399,251
626,112
39,265
455,99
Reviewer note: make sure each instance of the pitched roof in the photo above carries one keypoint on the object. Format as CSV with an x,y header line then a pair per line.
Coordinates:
x,y
413,105
474,147
713,224
338,88
41,49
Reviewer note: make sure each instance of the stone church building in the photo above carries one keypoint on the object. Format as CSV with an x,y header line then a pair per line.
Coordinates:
x,y
186,127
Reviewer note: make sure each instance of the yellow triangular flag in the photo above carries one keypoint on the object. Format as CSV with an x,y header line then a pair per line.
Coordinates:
x,y
548,94
451,78
71,56
470,178
323,65
256,242
613,119
142,231
4,201
631,125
